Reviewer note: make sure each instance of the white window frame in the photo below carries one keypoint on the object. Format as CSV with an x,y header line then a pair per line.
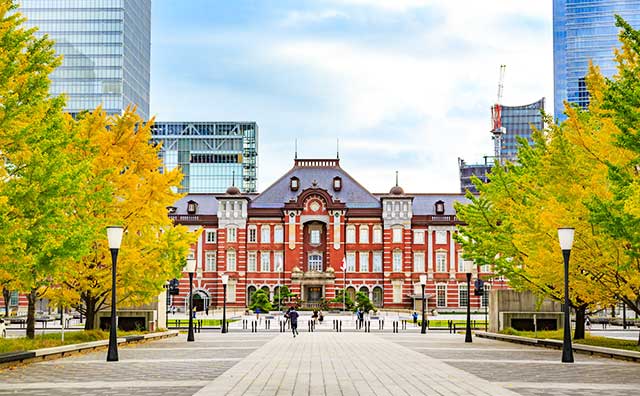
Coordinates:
x,y
210,236
252,261
252,234
397,260
232,234
485,297
485,268
418,262
363,264
364,233
418,237
462,264
441,237
377,261
351,262
312,237
397,292
351,234
441,261
314,262
462,292
441,295
278,234
278,260
265,261
210,261
265,234
396,235
231,260
231,291
377,234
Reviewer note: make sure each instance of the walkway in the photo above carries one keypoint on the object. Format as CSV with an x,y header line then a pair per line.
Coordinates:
x,y
325,363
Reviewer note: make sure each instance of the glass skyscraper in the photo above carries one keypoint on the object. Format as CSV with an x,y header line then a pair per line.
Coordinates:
x,y
585,30
519,121
106,46
211,155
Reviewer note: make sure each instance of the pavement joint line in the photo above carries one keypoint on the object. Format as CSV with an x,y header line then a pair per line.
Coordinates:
x,y
125,361
102,384
565,385
197,348
533,361
484,349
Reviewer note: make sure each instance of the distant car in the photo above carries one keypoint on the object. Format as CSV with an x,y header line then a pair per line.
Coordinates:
x,y
3,329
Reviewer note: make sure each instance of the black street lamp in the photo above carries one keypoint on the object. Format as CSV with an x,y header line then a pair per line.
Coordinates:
x,y
114,236
191,268
423,283
565,235
225,279
467,336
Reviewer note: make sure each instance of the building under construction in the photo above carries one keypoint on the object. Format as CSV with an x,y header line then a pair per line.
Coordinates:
x,y
211,155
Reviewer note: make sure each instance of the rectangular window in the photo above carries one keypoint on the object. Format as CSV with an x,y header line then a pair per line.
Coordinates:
x,y
418,262
251,262
397,235
462,264
485,296
397,261
265,234
364,262
210,261
351,262
441,262
278,259
14,299
265,261
315,237
231,291
418,237
485,268
231,260
364,234
377,235
211,236
253,235
377,261
231,234
441,237
441,295
463,295
397,292
351,234
278,234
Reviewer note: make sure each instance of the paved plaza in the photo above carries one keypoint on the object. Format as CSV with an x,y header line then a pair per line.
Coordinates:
x,y
325,363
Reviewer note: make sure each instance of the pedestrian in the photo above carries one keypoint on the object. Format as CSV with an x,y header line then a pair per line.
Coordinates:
x,y
257,314
206,310
293,317
320,317
414,315
587,323
314,316
360,317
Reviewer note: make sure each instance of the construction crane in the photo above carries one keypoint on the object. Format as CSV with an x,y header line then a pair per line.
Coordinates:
x,y
497,130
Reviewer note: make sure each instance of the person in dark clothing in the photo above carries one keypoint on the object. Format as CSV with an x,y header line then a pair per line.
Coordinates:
x,y
293,317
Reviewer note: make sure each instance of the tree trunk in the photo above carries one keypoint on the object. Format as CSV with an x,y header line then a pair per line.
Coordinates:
x,y
90,312
6,294
613,311
31,314
580,317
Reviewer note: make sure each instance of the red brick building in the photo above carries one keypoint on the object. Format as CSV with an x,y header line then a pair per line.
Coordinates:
x,y
300,230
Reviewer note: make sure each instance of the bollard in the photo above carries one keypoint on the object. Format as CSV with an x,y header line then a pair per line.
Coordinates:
x,y
340,326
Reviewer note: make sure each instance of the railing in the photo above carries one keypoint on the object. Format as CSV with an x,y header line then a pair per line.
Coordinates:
x,y
312,305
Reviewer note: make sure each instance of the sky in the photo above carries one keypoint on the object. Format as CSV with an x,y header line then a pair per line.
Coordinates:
x,y
404,85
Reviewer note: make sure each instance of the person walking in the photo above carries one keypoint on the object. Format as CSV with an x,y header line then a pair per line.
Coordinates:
x,y
293,317
414,315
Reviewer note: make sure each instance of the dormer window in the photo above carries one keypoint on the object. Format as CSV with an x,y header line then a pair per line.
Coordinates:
x,y
294,184
439,207
192,207
337,183
172,209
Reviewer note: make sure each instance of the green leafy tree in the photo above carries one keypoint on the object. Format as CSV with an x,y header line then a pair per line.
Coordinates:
x,y
363,302
350,304
283,296
260,300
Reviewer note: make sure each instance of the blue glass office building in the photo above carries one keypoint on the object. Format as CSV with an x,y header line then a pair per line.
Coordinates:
x,y
519,121
585,30
211,155
106,46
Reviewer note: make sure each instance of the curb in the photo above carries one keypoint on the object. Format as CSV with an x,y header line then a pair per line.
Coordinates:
x,y
557,344
10,359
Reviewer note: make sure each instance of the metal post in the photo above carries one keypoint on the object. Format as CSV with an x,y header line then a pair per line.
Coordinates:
x,y
224,309
424,323
624,315
344,289
467,337
567,350
112,353
190,336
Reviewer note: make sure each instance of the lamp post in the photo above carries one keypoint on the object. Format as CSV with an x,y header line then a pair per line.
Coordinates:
x,y
565,235
114,236
344,287
423,283
467,336
225,280
191,268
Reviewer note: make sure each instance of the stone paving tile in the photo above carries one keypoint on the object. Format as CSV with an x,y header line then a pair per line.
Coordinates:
x,y
572,392
150,391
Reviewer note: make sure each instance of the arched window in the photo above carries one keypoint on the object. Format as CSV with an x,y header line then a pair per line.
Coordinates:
x,y
250,291
377,296
351,234
377,234
397,260
364,233
231,260
351,292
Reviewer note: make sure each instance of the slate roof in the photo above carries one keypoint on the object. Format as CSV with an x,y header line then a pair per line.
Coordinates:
x,y
352,193
207,203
